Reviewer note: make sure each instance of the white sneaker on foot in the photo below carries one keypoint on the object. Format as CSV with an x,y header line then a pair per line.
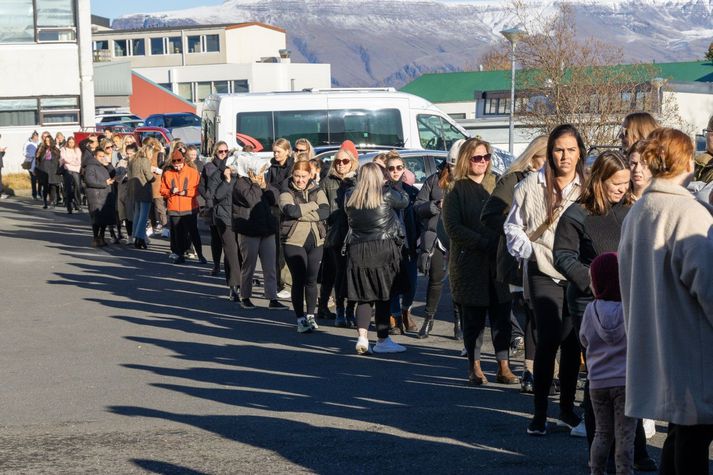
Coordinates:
x,y
284,294
649,428
303,325
579,430
387,345
311,321
362,346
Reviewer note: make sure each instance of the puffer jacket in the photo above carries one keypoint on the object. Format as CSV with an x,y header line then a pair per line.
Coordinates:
x,y
412,226
252,209
337,225
378,223
303,213
427,210
211,178
185,180
222,211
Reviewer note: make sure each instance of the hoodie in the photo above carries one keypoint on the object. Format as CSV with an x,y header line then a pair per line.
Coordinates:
x,y
604,338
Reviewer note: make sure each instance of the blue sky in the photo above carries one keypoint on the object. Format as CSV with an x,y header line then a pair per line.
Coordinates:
x,y
114,9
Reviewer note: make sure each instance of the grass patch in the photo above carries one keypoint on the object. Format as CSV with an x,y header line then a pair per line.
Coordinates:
x,y
14,182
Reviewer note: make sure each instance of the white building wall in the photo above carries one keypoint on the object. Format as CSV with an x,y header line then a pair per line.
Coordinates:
x,y
467,108
694,108
251,43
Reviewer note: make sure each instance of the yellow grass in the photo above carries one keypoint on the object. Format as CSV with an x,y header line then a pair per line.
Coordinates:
x,y
16,181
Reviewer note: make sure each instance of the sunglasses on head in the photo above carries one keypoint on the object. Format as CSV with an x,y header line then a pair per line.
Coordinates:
x,y
480,158
396,167
342,161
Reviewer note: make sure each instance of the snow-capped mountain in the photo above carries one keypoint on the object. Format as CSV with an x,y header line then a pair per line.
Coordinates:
x,y
390,42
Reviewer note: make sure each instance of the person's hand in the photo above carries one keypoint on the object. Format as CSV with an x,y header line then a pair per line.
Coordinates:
x,y
109,181
182,193
174,191
260,180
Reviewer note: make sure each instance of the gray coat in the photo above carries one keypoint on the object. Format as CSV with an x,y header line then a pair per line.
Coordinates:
x,y
140,180
100,196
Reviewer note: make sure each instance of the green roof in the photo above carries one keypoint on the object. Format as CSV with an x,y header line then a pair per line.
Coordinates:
x,y
459,87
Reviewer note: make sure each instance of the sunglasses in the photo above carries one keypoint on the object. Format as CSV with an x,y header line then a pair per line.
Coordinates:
x,y
480,158
343,161
300,150
222,151
396,167
176,161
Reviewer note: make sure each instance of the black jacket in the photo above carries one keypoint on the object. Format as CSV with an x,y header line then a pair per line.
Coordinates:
x,y
252,209
100,196
494,214
412,225
48,169
277,175
222,199
428,211
211,178
336,190
378,223
473,246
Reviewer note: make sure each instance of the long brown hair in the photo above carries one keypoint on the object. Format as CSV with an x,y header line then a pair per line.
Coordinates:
x,y
550,183
593,196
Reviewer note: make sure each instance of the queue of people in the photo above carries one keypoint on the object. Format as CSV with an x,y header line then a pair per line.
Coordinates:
x,y
594,270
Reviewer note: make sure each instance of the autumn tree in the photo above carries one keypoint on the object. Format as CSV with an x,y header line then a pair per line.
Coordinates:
x,y
497,58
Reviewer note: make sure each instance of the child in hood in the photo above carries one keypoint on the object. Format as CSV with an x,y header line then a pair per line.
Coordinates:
x,y
603,336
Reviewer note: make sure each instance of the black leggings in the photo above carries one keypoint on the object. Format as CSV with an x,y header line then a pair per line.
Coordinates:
x,y
474,327
436,277
216,244
179,234
685,450
193,234
328,274
229,243
72,190
555,329
98,231
523,323
303,263
381,316
334,275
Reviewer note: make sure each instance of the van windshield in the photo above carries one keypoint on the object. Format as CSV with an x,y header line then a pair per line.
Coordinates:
x,y
324,127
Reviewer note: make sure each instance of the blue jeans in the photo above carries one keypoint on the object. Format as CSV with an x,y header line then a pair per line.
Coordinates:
x,y
405,300
141,214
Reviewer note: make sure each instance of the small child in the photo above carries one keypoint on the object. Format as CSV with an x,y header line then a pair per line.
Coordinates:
x,y
603,336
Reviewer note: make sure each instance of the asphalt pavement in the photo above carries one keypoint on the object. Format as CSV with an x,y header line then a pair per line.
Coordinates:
x,y
114,361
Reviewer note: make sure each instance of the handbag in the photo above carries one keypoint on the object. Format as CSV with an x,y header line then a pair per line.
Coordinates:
x,y
26,165
424,258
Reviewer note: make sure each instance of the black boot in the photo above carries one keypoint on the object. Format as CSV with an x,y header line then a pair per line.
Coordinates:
x,y
426,327
323,311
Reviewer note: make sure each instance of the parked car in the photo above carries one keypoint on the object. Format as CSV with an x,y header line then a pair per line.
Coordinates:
x,y
118,120
139,133
173,120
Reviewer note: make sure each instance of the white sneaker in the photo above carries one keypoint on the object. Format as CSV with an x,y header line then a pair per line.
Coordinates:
x,y
362,346
191,255
579,431
149,231
649,428
303,325
4,196
387,345
284,294
311,321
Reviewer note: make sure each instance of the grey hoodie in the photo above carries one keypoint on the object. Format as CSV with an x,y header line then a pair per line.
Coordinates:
x,y
604,337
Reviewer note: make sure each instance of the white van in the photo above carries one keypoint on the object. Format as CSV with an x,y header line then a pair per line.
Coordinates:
x,y
368,117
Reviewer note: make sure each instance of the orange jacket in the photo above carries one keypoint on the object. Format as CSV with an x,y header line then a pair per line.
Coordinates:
x,y
186,180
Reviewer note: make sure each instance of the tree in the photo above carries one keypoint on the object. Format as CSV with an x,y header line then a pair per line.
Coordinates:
x,y
564,79
498,58
709,54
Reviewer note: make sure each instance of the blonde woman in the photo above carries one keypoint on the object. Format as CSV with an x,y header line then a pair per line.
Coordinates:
x,y
70,158
340,179
636,126
508,271
373,248
304,146
140,187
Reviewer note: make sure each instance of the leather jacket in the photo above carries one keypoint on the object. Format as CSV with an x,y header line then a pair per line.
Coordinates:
x,y
378,223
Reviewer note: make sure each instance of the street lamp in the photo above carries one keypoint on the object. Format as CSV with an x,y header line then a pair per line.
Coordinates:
x,y
513,35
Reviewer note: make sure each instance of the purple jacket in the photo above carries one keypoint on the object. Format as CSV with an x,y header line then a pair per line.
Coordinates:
x,y
604,337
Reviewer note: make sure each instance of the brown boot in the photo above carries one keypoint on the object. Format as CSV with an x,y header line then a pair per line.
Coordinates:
x,y
505,376
396,327
408,322
476,377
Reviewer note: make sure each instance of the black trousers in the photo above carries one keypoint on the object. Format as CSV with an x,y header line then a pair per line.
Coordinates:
x,y
194,236
474,327
216,245
304,263
179,234
33,184
381,316
334,275
232,261
685,451
72,190
523,323
436,278
328,274
555,329
98,230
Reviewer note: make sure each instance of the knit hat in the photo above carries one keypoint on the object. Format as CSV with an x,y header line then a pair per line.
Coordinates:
x,y
349,146
454,151
177,156
605,277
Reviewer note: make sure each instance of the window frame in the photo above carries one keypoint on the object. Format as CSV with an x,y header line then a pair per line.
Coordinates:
x,y
163,45
202,43
37,28
47,111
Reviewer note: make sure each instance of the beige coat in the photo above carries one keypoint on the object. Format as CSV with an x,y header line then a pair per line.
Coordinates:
x,y
666,273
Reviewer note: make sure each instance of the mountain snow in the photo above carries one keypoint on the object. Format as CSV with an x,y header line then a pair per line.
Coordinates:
x,y
390,42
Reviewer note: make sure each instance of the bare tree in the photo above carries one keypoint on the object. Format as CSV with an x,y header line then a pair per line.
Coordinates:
x,y
497,58
709,53
565,79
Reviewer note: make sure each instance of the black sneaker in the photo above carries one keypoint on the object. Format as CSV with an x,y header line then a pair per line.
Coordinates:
x,y
568,419
247,304
277,305
202,260
180,260
537,426
527,383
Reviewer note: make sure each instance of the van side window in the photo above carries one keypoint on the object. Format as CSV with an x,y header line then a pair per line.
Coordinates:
x,y
311,125
451,134
361,126
436,133
257,125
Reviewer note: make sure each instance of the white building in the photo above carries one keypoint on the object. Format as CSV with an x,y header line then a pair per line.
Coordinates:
x,y
46,81
195,61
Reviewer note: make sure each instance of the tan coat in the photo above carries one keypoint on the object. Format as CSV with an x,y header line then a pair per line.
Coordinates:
x,y
666,274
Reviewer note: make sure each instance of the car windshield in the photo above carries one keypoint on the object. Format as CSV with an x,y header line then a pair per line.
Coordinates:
x,y
188,120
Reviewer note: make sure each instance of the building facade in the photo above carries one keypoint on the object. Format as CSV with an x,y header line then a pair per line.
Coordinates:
x,y
196,61
46,57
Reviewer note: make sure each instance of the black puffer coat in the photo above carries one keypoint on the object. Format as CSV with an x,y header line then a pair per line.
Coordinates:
x,y
427,210
378,223
252,209
473,246
211,178
336,190
412,225
100,196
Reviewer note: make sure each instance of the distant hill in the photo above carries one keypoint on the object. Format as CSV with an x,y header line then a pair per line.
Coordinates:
x,y
390,42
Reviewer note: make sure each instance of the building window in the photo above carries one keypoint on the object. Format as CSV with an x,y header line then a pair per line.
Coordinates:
x,y
17,22
59,110
240,85
101,45
121,48
220,87
185,90
18,112
212,43
203,90
457,116
157,46
55,21
194,44
138,47
175,45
